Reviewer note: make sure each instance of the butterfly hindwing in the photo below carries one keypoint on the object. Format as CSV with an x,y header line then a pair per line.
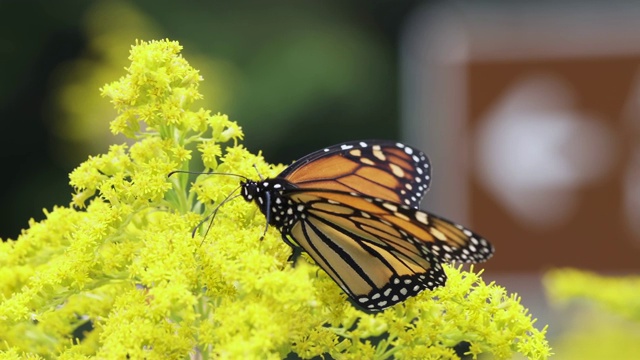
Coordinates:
x,y
371,248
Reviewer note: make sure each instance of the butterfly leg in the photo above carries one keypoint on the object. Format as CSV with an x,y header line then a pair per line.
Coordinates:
x,y
296,250
295,254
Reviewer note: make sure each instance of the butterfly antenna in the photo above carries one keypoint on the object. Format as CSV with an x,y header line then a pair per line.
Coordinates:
x,y
212,216
259,175
206,173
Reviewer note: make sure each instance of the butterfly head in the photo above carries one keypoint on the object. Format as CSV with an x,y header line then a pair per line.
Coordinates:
x,y
249,190
268,194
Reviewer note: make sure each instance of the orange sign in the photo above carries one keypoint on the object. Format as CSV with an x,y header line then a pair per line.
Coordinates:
x,y
532,123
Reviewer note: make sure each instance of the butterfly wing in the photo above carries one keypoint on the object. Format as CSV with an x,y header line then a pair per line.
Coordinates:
x,y
378,252
380,169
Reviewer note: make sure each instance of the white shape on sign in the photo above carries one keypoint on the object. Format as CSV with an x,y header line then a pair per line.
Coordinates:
x,y
534,150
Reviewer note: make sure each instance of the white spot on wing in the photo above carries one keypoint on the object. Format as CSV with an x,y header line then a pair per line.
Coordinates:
x,y
390,206
422,217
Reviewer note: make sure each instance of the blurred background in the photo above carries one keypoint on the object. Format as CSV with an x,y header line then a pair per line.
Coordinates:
x,y
297,76
529,111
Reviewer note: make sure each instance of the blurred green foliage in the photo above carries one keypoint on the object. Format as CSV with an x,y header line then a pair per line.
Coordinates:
x,y
298,76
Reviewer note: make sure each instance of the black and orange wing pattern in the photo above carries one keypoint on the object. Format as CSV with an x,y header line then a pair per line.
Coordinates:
x,y
379,252
382,169
353,208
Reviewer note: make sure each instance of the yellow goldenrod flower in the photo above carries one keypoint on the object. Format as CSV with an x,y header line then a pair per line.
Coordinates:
x,y
616,294
118,274
605,319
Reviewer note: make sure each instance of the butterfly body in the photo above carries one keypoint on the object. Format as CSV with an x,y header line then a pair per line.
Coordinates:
x,y
353,208
269,196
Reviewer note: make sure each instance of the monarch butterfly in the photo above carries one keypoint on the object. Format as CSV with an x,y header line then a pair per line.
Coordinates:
x,y
353,207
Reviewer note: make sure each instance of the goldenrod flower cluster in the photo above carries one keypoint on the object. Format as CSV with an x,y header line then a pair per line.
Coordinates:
x,y
604,321
117,274
618,295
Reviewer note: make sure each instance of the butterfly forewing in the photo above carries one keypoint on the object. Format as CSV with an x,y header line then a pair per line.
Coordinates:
x,y
376,269
381,169
399,226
